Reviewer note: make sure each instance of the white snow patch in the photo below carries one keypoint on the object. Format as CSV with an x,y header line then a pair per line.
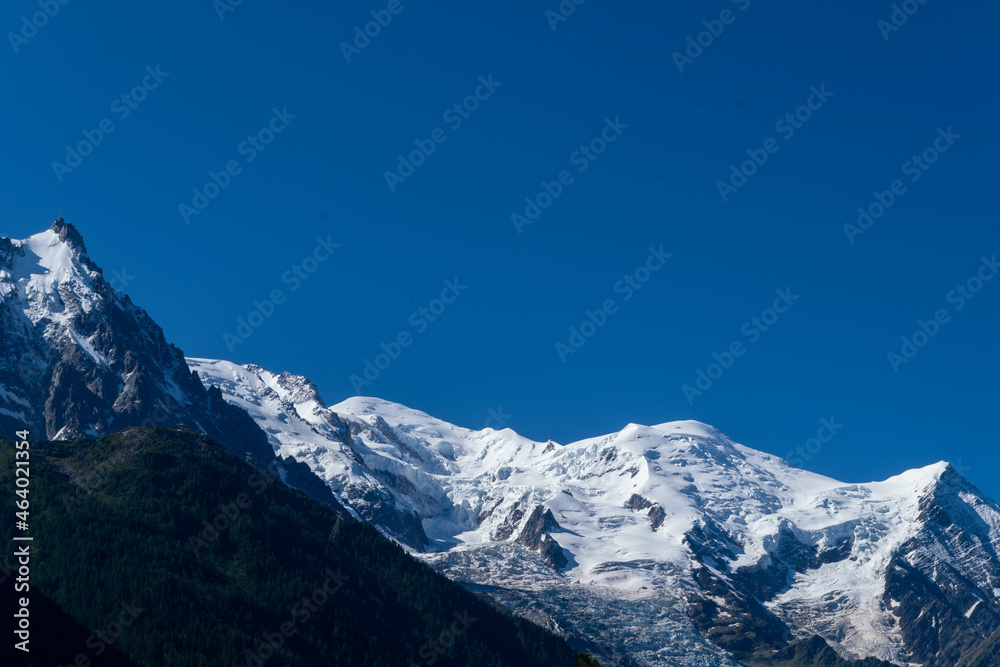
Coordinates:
x,y
468,487
10,413
8,396
86,346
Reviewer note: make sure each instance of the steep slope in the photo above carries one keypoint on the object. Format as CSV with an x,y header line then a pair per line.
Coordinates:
x,y
56,637
671,543
299,427
81,360
985,654
216,563
667,531
813,652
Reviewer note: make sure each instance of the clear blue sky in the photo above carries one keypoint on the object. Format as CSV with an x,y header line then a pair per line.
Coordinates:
x,y
656,184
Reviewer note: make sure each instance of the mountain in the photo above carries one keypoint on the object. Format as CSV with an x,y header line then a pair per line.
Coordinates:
x,y
56,637
987,654
174,552
655,545
673,544
299,427
80,360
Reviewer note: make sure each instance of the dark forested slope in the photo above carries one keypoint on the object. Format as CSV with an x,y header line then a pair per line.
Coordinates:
x,y
180,554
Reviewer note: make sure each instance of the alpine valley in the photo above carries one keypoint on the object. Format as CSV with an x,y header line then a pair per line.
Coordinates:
x,y
660,545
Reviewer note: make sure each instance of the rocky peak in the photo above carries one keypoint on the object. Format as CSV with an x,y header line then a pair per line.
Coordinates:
x,y
300,389
80,360
7,250
69,235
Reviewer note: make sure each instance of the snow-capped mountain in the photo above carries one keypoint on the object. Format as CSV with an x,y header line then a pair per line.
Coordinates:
x,y
656,545
670,542
80,359
300,427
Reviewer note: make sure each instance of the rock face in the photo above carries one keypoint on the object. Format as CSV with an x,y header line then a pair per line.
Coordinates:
x,y
700,542
80,360
947,605
659,545
536,535
300,427
656,515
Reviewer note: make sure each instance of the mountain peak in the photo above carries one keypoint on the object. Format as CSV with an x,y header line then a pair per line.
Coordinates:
x,y
919,479
39,264
689,427
81,360
677,508
69,235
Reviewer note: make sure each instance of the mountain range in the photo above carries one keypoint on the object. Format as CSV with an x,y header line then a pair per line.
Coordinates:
x,y
666,544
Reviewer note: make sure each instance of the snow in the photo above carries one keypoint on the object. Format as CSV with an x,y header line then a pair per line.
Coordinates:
x,y
6,395
41,272
56,301
19,415
472,490
87,347
466,485
47,252
310,440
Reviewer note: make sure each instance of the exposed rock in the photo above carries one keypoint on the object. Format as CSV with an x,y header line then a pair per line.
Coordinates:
x,y
535,535
80,360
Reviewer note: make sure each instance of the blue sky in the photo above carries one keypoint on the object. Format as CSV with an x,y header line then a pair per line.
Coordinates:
x,y
551,100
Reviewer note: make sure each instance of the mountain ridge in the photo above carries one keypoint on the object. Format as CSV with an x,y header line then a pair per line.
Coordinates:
x,y
83,361
281,574
671,542
731,523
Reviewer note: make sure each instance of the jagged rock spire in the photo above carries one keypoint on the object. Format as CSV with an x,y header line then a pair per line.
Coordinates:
x,y
69,235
